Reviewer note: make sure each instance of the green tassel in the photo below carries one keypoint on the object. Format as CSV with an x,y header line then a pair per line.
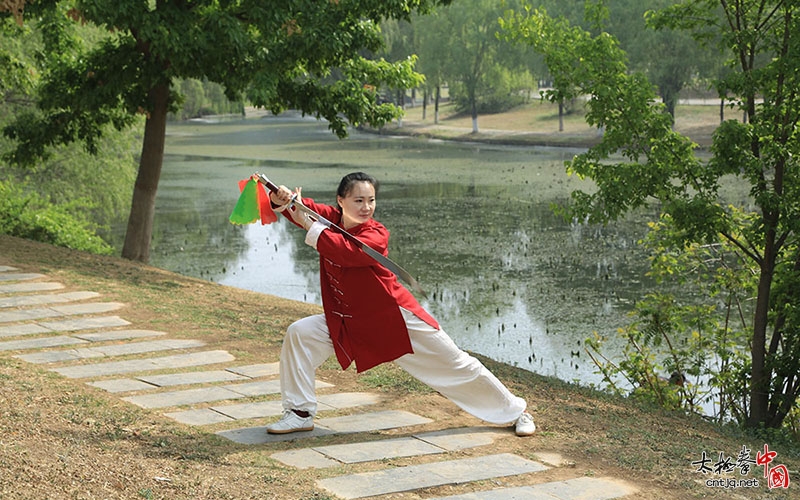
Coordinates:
x,y
246,210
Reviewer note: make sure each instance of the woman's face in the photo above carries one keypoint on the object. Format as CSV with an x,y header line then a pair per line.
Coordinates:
x,y
359,204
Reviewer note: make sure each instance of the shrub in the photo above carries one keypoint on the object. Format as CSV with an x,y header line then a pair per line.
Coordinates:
x,y
29,216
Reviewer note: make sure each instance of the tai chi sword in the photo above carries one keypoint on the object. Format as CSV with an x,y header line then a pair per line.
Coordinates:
x,y
379,257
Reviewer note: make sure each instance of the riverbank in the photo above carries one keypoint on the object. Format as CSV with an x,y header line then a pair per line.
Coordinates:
x,y
537,124
61,438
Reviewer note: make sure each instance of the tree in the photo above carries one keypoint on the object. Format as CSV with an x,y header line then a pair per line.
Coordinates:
x,y
281,54
101,184
641,159
473,50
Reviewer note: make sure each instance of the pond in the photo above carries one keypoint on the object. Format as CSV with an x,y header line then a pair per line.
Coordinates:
x,y
473,223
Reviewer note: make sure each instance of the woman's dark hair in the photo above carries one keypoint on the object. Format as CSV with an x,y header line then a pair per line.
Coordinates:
x,y
348,180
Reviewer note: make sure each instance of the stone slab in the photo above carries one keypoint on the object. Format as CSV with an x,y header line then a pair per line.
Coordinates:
x,y
69,325
20,276
27,315
368,422
39,343
111,335
341,400
264,409
378,450
63,340
304,458
5,269
40,286
261,388
55,311
184,397
244,411
256,371
463,438
53,298
420,444
198,417
23,329
415,477
582,488
374,421
121,385
258,435
188,378
145,365
110,350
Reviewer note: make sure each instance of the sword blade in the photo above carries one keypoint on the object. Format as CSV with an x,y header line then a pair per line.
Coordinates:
x,y
377,256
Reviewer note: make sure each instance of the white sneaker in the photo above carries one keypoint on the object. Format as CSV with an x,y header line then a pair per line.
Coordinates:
x,y
525,425
291,422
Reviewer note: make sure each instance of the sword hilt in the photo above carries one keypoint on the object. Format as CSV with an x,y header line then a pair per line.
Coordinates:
x,y
265,181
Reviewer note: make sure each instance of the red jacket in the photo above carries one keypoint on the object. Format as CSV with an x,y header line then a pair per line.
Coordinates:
x,y
360,297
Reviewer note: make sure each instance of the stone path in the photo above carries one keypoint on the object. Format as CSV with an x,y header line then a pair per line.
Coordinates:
x,y
42,325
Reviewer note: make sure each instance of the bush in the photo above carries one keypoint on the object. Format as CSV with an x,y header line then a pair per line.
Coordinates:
x,y
29,216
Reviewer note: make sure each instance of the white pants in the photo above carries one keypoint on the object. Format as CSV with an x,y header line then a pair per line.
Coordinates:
x,y
436,361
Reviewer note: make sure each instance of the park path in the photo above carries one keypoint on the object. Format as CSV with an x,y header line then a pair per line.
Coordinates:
x,y
76,334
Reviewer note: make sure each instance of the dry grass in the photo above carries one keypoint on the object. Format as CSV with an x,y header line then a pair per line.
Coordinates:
x,y
62,439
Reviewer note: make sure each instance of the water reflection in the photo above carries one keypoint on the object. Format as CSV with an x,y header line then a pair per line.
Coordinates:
x,y
473,223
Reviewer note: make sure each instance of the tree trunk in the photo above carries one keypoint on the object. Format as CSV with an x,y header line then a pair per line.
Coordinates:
x,y
474,115
424,103
140,221
436,105
561,116
759,376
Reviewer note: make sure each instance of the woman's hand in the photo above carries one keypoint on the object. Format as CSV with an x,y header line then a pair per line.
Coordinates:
x,y
283,198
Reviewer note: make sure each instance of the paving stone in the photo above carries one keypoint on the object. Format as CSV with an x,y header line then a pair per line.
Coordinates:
x,y
582,488
244,411
463,438
39,343
256,371
122,385
24,329
261,409
378,450
368,422
20,276
40,286
55,311
256,388
188,378
258,435
415,477
54,298
117,335
198,417
145,365
62,340
364,422
184,397
62,326
27,315
110,350
304,458
420,444
341,400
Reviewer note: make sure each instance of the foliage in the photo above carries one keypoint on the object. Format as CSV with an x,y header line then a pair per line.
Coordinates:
x,y
203,99
68,172
700,343
280,56
640,159
35,218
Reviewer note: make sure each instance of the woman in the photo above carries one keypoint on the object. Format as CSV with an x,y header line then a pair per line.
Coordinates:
x,y
370,318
